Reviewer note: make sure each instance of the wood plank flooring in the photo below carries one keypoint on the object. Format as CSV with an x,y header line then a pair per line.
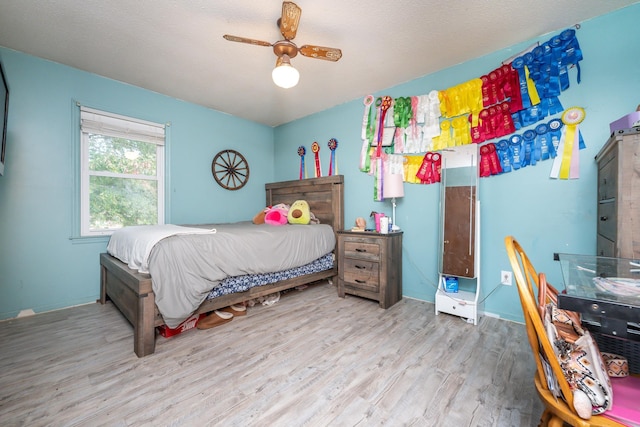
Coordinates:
x,y
312,359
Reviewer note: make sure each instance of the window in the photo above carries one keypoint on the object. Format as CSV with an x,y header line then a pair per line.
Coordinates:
x,y
122,172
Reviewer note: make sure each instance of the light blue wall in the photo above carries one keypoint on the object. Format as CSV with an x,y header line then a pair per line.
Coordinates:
x,y
41,268
545,215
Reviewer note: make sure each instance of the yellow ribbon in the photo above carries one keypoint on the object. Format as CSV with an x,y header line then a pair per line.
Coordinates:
x,y
569,137
571,118
531,87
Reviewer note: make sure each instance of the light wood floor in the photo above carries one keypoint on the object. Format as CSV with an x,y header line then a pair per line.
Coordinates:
x,y
311,359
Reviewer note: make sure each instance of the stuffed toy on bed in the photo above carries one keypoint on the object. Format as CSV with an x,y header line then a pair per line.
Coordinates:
x,y
277,215
299,213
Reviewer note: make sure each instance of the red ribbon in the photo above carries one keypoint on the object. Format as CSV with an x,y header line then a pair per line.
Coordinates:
x,y
315,147
385,104
485,164
494,161
426,169
437,167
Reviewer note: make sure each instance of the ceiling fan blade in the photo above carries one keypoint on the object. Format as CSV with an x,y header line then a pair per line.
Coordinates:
x,y
320,52
290,19
245,40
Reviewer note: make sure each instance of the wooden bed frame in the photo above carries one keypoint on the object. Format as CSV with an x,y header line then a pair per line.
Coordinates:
x,y
132,292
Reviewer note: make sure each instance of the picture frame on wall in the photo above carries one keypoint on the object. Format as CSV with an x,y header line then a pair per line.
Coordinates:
x,y
4,114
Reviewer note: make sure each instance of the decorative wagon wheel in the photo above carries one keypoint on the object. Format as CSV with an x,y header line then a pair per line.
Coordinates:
x,y
230,169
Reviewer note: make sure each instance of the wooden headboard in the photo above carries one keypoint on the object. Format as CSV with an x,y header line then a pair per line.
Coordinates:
x,y
325,197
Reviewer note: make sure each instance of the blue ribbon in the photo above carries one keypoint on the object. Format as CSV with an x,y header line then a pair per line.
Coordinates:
x,y
504,155
528,141
543,140
549,63
555,133
515,144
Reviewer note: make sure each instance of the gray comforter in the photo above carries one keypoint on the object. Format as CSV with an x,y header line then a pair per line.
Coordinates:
x,y
185,267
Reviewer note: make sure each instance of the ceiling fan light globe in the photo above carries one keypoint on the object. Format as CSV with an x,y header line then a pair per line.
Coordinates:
x,y
285,76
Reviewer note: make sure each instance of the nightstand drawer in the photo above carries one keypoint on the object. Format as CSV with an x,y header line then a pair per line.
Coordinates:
x,y
362,250
365,277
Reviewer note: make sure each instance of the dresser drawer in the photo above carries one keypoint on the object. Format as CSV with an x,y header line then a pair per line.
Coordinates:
x,y
607,220
605,247
608,179
362,250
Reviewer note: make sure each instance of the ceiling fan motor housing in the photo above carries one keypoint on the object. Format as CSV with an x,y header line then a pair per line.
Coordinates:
x,y
285,47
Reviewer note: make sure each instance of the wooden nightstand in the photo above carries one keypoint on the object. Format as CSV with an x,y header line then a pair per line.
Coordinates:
x,y
370,266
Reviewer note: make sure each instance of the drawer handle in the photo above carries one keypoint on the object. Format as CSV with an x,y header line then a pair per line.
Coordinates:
x,y
360,250
604,218
361,281
361,267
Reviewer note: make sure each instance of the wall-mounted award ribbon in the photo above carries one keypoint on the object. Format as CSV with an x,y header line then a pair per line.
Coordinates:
x,y
485,163
437,167
431,127
494,161
366,117
367,133
489,161
425,172
555,133
515,145
401,117
413,122
569,159
461,134
528,142
315,148
543,142
301,152
333,144
504,154
383,104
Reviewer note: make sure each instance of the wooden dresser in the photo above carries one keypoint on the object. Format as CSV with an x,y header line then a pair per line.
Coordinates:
x,y
370,266
619,195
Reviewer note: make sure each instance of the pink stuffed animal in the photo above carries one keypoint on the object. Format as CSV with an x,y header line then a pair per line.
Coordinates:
x,y
277,215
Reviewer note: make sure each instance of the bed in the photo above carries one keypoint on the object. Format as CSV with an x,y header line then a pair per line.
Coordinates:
x,y
132,292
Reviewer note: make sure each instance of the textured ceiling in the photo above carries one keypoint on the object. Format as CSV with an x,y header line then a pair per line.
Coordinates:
x,y
175,47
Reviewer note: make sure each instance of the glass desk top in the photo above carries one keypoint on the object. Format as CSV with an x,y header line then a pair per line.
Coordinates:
x,y
605,290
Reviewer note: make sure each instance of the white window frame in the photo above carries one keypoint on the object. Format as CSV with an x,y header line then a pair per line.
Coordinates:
x,y
115,125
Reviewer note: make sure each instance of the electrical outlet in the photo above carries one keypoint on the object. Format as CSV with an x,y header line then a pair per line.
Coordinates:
x,y
505,278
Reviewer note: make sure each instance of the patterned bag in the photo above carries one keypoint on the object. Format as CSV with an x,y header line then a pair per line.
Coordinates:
x,y
576,350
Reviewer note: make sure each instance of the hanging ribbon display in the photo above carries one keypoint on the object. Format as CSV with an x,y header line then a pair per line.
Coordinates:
x,y
566,164
333,144
515,96
315,148
301,152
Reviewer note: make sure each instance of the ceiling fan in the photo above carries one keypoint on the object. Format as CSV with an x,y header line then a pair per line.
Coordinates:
x,y
284,75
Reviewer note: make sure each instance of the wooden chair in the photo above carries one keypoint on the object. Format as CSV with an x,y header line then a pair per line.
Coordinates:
x,y
557,410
